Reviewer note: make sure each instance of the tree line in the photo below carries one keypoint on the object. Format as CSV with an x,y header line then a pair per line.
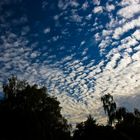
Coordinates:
x,y
28,112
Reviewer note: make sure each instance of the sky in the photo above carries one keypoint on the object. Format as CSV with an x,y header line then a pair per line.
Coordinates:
x,y
79,49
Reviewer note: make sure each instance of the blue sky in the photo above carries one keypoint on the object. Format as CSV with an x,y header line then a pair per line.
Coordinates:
x,y
79,49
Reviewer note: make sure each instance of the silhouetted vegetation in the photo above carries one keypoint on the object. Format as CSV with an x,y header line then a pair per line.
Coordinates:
x,y
109,107
90,130
27,112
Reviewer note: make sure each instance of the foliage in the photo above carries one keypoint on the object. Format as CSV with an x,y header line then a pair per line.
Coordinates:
x,y
84,129
126,123
28,112
91,130
109,107
130,124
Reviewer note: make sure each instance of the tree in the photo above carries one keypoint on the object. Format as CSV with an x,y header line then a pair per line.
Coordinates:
x,y
120,114
89,129
130,124
109,107
85,130
28,112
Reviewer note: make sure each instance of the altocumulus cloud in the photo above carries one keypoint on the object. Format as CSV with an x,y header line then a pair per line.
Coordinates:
x,y
78,57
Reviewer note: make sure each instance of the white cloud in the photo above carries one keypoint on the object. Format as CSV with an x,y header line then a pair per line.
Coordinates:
x,y
47,30
98,9
85,5
110,7
129,11
82,43
56,17
129,2
97,2
89,17
119,31
136,35
55,38
76,18
106,32
74,3
62,4
97,37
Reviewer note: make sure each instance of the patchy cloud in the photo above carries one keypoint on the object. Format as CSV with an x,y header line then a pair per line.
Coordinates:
x,y
98,9
82,51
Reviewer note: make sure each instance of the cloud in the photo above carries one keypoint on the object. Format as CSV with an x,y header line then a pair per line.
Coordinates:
x,y
110,7
76,18
77,77
119,31
62,5
47,30
98,9
82,43
85,5
129,2
74,3
25,30
136,35
97,2
129,11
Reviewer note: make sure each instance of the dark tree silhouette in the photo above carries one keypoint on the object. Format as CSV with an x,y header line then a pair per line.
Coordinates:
x,y
136,112
28,112
130,124
85,130
89,130
109,107
119,114
126,125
